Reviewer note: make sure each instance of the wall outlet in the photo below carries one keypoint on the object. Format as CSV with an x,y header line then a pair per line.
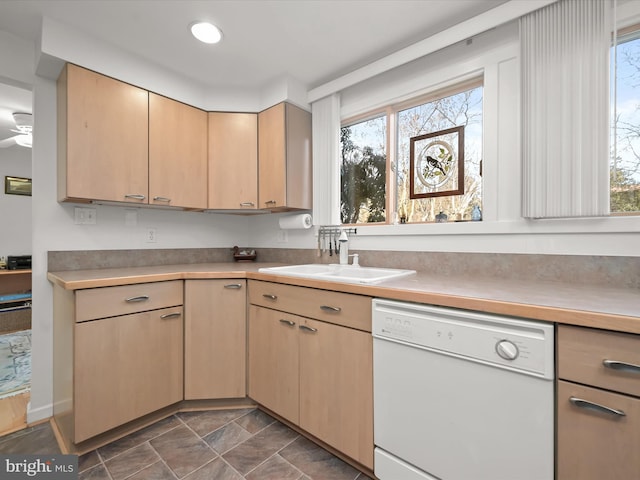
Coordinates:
x,y
151,235
84,216
282,236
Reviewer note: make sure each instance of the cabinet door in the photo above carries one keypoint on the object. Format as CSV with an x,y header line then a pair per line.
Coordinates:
x,y
126,367
233,160
272,157
336,387
177,154
102,138
594,445
215,339
273,360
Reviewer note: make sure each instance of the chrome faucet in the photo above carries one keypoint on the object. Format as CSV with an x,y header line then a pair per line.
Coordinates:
x,y
344,251
344,248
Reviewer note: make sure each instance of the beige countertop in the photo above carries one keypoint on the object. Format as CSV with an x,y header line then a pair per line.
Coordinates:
x,y
587,305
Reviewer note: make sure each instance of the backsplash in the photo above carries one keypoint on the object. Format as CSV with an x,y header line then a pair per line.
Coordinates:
x,y
578,269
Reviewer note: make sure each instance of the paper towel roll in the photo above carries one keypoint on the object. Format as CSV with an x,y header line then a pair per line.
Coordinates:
x,y
302,220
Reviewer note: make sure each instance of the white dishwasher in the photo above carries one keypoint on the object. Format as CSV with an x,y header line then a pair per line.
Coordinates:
x,y
461,395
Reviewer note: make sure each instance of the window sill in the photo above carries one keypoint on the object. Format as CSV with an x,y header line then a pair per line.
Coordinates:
x,y
612,224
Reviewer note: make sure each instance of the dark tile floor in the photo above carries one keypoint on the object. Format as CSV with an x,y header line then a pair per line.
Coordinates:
x,y
214,445
35,440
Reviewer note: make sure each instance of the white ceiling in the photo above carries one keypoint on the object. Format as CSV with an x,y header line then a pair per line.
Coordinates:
x,y
311,41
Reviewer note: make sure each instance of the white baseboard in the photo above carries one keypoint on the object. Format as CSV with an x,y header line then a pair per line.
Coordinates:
x,y
39,414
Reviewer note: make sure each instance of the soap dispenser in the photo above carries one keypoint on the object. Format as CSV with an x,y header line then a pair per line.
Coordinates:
x,y
344,248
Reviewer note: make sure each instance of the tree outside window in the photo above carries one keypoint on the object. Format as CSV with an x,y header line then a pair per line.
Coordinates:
x,y
625,162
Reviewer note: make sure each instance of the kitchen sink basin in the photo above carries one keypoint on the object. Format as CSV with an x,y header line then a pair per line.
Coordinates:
x,y
340,273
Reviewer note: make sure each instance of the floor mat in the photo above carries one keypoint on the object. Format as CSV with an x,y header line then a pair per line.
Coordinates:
x,y
15,363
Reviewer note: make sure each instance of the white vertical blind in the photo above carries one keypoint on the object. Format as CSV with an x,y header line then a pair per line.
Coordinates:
x,y
565,109
326,165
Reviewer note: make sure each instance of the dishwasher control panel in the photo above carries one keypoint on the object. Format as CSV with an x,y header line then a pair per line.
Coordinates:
x,y
508,342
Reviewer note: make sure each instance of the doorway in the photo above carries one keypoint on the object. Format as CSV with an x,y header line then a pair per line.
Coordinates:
x,y
15,248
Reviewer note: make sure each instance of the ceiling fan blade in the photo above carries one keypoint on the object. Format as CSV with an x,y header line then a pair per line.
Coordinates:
x,y
8,142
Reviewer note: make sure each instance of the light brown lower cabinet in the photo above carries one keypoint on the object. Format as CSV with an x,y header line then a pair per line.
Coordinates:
x,y
593,443
126,367
316,374
215,339
598,404
273,361
336,401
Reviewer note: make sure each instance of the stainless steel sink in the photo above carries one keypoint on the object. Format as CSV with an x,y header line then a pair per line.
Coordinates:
x,y
340,273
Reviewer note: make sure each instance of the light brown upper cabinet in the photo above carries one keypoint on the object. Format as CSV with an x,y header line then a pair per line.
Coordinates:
x,y
284,158
233,161
177,154
102,138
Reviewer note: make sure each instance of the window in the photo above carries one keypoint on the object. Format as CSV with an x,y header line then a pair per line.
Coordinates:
x,y
363,171
625,162
440,136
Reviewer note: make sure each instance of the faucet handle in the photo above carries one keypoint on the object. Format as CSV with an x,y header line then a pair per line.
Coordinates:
x,y
355,259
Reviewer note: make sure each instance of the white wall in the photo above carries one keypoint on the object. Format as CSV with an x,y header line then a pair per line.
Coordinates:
x,y
16,209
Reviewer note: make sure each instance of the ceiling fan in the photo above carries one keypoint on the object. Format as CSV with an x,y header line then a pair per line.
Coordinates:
x,y
24,128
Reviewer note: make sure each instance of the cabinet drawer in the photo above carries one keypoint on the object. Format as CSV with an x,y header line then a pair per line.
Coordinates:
x,y
112,301
333,307
602,359
594,444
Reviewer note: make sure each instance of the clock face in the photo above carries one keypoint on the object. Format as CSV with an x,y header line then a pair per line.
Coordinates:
x,y
436,164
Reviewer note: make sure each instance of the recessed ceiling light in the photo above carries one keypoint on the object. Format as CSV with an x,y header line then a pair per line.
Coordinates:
x,y
206,32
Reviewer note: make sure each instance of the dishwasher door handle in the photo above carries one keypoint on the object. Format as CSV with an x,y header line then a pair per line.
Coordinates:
x,y
581,403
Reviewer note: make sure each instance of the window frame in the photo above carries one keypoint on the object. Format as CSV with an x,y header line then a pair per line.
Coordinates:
x,y
625,34
391,112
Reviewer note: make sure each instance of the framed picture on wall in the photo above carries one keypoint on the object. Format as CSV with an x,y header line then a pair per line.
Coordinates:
x,y
17,186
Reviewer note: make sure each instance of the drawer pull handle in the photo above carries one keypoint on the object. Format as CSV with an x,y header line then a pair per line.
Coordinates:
x,y
233,285
308,328
579,402
247,204
269,296
162,199
170,315
621,366
139,298
135,196
287,322
328,308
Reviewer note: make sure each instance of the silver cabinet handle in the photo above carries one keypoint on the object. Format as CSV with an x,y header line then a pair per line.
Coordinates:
x,y
287,322
581,403
270,296
328,308
234,286
139,298
247,204
621,366
308,328
135,196
161,199
270,202
170,315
